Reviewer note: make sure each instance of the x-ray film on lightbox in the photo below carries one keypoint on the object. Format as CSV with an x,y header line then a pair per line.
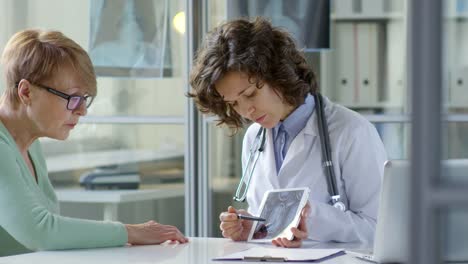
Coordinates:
x,y
307,20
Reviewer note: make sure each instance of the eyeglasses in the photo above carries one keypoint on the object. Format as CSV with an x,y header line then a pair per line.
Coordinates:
x,y
74,101
255,149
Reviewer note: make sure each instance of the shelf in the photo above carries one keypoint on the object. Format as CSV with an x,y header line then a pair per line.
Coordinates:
x,y
457,17
372,106
365,18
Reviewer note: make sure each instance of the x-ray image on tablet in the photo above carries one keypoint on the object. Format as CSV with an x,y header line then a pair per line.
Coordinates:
x,y
282,209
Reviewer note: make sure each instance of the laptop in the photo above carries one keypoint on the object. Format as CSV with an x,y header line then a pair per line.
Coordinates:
x,y
391,243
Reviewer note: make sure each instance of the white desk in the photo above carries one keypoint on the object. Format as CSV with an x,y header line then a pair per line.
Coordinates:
x,y
112,198
198,250
74,161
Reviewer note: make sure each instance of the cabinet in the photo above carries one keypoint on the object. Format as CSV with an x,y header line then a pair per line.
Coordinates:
x,y
455,82
364,69
456,53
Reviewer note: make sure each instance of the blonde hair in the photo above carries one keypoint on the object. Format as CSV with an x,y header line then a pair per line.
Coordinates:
x,y
36,55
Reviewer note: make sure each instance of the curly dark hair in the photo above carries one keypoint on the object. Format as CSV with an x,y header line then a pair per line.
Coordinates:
x,y
267,54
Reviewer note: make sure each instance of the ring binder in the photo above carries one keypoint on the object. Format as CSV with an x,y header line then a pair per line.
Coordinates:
x,y
265,259
265,254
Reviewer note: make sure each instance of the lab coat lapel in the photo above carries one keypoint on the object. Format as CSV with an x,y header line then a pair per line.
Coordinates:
x,y
299,151
268,162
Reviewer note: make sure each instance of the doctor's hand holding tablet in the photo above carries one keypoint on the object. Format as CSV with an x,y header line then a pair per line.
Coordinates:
x,y
282,219
251,71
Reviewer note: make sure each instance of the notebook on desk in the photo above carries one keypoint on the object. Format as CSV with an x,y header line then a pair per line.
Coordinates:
x,y
392,231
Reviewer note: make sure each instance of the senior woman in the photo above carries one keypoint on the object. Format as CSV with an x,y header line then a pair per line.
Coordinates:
x,y
50,83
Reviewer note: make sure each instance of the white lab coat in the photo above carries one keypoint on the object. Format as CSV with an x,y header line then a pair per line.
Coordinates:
x,y
358,157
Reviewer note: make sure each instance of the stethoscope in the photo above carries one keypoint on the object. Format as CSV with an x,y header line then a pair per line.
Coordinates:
x,y
259,146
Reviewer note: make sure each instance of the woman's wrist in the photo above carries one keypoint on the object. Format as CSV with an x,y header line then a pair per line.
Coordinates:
x,y
130,233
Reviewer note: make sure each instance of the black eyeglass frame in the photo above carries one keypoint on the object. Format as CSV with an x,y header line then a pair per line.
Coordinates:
x,y
66,96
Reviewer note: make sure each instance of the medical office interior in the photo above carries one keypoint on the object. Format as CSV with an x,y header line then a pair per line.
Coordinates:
x,y
140,124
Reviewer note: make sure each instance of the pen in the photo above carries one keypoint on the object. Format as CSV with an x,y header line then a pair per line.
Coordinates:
x,y
251,218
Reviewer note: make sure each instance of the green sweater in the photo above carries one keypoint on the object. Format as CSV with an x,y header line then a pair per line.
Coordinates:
x,y
29,210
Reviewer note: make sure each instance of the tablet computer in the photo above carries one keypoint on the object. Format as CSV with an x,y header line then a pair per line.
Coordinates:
x,y
281,209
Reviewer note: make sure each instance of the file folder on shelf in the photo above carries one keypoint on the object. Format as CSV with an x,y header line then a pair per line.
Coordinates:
x,y
261,254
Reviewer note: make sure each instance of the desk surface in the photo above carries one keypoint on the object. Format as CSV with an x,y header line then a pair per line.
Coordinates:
x,y
119,196
85,160
198,250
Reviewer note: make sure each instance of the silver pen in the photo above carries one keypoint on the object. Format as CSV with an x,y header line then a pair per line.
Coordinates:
x,y
251,218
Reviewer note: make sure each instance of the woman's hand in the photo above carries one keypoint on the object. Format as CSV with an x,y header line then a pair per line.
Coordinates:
x,y
300,233
152,232
233,228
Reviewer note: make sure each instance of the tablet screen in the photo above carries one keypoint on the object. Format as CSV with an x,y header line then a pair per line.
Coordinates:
x,y
281,209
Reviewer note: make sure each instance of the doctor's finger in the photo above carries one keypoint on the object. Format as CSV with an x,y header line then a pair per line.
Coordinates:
x,y
300,234
231,209
233,234
226,234
277,242
303,223
232,229
295,243
229,224
307,209
274,242
227,217
305,212
303,226
242,211
237,236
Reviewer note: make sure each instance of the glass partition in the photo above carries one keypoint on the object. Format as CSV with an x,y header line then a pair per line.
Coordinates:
x,y
438,179
453,178
224,171
453,234
454,93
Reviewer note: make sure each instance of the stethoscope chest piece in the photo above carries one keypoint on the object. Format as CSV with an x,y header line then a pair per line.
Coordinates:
x,y
340,206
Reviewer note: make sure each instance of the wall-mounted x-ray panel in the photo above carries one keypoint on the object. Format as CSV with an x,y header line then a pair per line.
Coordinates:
x,y
307,20
128,38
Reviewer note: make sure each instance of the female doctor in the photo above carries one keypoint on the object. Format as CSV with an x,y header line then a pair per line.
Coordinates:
x,y
254,71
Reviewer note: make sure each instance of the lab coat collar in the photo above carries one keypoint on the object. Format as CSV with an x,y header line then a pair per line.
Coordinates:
x,y
302,140
297,146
